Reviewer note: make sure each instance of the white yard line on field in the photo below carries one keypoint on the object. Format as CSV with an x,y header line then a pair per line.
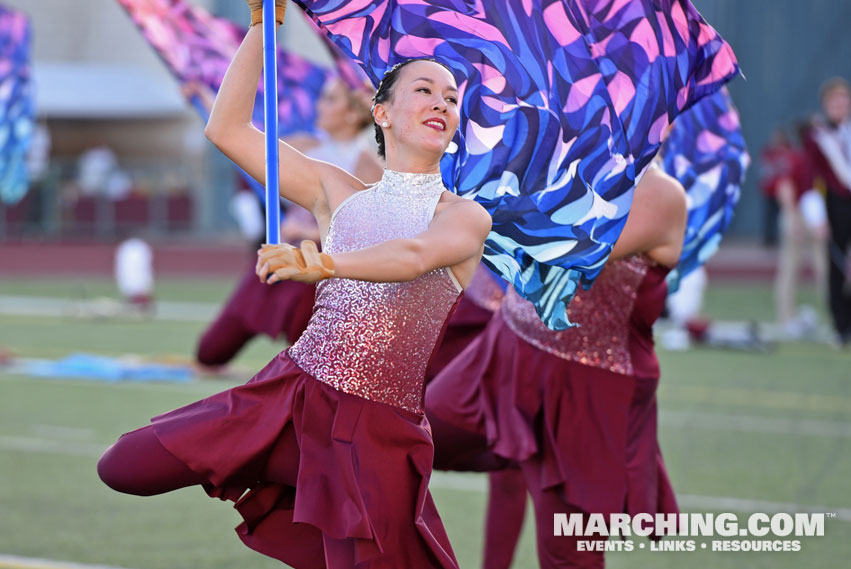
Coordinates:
x,y
727,504
92,309
50,446
61,432
753,424
470,482
478,483
18,562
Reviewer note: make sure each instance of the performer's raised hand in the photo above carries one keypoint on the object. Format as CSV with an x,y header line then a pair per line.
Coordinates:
x,y
256,7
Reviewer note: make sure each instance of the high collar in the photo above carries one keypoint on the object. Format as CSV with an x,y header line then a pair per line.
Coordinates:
x,y
412,184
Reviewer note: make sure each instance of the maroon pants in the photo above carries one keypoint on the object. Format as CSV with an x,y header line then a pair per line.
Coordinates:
x,y
256,308
223,340
138,464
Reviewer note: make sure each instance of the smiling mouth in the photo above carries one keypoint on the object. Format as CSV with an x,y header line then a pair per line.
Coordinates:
x,y
436,124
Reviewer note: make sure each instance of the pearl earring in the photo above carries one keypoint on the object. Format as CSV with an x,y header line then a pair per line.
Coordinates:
x,y
385,124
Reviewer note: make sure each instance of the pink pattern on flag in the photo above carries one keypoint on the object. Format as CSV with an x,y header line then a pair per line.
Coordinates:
x,y
623,91
580,92
708,142
558,23
645,36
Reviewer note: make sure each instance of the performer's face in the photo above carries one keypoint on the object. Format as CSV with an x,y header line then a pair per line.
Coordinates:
x,y
424,109
837,105
333,111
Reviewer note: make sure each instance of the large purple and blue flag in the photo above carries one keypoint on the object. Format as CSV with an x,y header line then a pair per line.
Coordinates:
x,y
563,105
344,66
17,104
198,47
706,152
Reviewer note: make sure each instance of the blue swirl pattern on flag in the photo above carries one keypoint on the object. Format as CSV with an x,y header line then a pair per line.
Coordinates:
x,y
564,103
706,152
17,104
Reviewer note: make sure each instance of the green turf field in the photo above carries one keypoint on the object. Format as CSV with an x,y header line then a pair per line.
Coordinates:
x,y
753,427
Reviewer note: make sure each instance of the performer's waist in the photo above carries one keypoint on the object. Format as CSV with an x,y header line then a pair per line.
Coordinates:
x,y
605,352
363,375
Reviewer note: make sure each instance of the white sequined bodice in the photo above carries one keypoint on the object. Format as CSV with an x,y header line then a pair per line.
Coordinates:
x,y
372,339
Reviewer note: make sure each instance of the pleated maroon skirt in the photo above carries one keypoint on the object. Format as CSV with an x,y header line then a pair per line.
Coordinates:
x,y
591,431
322,479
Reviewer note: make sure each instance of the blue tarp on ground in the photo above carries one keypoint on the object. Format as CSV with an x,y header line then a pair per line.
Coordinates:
x,y
104,368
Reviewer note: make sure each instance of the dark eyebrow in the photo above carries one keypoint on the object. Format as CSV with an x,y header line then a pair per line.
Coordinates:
x,y
426,79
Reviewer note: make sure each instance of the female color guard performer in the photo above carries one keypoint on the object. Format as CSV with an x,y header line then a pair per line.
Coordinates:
x,y
574,409
326,450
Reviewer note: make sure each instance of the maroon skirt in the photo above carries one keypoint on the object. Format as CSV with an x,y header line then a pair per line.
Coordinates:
x,y
322,479
285,307
591,431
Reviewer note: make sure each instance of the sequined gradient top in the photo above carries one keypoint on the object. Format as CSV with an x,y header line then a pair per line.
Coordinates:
x,y
375,339
615,318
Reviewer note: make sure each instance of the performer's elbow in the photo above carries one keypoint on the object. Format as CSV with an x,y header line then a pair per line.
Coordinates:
x,y
213,132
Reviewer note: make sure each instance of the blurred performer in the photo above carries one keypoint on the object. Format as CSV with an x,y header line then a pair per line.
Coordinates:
x,y
134,275
575,410
785,179
255,308
829,150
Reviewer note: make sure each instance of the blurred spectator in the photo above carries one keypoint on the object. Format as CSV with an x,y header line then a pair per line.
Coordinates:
x,y
98,174
249,216
134,275
784,177
38,167
828,148
38,155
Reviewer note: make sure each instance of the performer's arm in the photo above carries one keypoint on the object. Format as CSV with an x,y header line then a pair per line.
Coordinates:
x,y
816,168
455,238
302,179
657,220
456,235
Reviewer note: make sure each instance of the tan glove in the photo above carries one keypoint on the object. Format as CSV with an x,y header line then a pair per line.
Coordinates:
x,y
256,7
285,262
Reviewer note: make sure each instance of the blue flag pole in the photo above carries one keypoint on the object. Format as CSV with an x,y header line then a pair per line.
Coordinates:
x,y
270,105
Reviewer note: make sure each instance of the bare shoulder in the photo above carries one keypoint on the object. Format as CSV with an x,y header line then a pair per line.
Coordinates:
x,y
656,221
468,211
335,177
664,190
